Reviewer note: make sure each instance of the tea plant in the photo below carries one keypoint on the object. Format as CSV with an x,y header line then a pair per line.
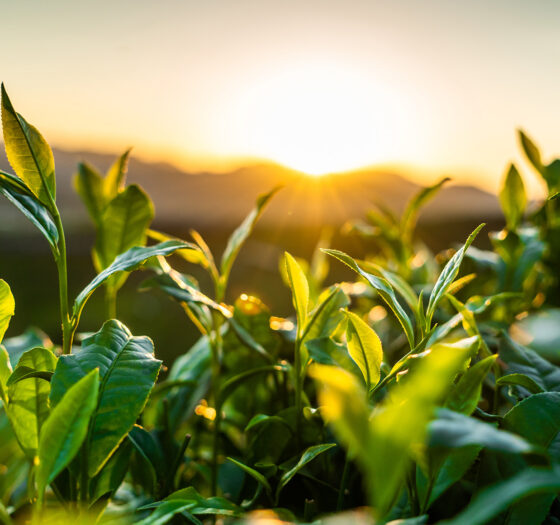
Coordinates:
x,y
404,394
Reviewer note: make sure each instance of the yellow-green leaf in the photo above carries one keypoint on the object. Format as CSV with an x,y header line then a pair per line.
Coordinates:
x,y
364,347
7,307
28,152
513,198
300,290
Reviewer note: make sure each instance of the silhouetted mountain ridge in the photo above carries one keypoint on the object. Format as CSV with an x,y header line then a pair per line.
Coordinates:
x,y
220,200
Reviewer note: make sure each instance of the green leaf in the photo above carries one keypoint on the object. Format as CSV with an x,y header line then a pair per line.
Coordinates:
x,y
28,152
112,474
193,254
532,152
466,393
453,469
22,198
28,409
239,236
364,347
384,289
309,455
448,275
520,380
523,360
37,362
165,511
255,474
88,183
454,430
7,307
125,262
300,291
384,442
215,505
513,198
5,373
66,428
128,371
123,225
410,215
499,497
114,180
537,419
327,315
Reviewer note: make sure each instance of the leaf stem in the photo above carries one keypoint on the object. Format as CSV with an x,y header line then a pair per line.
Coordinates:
x,y
216,347
110,302
62,269
343,483
298,388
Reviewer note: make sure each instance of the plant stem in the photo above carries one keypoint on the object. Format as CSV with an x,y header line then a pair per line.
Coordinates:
x,y
62,268
110,302
216,347
343,483
298,386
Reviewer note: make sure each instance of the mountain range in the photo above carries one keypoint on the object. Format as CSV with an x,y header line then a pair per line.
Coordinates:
x,y
211,201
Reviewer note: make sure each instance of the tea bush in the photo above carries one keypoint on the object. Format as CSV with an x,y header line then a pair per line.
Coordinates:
x,y
404,395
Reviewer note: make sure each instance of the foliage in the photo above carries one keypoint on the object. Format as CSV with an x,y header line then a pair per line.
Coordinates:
x,y
433,411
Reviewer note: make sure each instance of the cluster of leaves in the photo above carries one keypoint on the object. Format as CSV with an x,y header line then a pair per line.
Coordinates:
x,y
402,394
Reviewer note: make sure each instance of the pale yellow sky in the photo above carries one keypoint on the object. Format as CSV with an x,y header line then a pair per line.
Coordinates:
x,y
431,87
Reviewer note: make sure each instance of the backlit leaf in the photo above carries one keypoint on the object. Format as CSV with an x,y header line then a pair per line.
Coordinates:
x,y
513,198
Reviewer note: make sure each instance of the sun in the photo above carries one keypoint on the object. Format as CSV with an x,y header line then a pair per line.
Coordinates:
x,y
321,118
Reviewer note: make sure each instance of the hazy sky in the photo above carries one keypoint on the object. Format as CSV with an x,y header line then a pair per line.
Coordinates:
x,y
438,87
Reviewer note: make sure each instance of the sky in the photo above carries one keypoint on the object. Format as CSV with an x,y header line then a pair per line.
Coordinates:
x,y
427,88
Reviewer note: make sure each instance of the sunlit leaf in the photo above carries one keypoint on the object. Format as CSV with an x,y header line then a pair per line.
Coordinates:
x,y
7,307
239,236
364,347
513,198
28,152
88,183
384,289
300,290
114,180
448,275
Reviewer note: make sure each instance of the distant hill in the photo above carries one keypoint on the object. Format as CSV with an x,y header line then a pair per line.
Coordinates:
x,y
209,201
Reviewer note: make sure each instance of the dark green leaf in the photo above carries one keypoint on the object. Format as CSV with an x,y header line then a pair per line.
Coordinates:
x,y
255,474
128,371
22,198
454,430
520,380
499,497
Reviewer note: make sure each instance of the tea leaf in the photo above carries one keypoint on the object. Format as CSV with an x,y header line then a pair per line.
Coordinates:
x,y
454,430
309,455
384,289
37,362
22,198
123,225
239,236
466,393
114,180
125,262
513,198
520,380
7,307
447,276
300,291
497,498
88,183
28,152
255,474
364,347
127,370
66,428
